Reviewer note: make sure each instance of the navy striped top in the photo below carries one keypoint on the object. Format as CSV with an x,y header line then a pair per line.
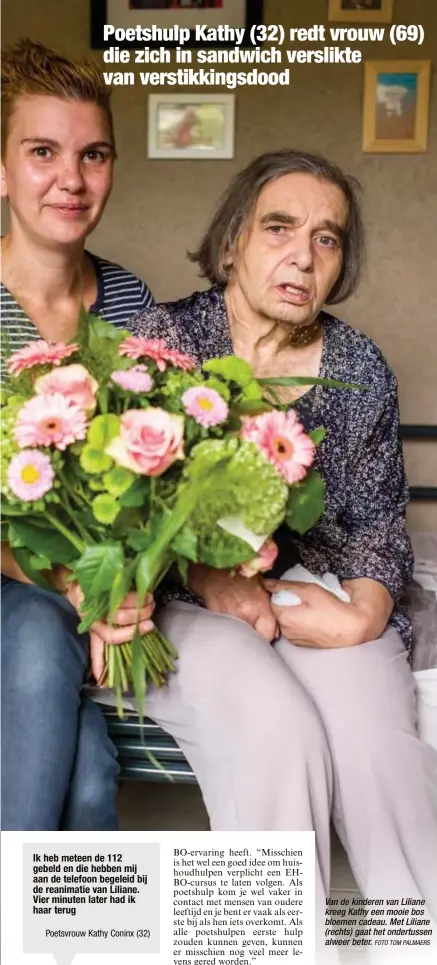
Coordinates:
x,y
120,295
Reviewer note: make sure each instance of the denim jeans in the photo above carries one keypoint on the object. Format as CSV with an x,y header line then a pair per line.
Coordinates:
x,y
58,764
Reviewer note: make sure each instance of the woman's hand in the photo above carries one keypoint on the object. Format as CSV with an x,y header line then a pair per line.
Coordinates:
x,y
122,630
235,595
321,620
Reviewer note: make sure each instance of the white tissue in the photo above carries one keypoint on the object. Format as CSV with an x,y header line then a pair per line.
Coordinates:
x,y
286,598
235,526
300,574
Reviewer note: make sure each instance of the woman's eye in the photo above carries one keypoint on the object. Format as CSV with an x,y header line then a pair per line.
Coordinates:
x,y
327,241
42,151
95,156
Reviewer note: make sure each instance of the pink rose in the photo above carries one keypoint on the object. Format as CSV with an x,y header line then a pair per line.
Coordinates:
x,y
261,563
149,441
74,382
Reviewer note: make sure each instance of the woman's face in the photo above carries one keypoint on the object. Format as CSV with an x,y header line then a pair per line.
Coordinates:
x,y
290,257
57,168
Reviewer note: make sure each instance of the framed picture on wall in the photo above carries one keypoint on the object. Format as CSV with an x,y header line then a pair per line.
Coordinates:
x,y
171,13
396,106
191,126
361,11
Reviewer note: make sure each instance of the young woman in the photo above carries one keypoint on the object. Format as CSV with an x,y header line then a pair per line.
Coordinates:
x,y
58,153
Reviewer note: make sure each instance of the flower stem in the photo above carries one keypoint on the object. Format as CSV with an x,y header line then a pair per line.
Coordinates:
x,y
70,512
73,539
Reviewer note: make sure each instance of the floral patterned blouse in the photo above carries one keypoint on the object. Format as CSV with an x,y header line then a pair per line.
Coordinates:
x,y
362,531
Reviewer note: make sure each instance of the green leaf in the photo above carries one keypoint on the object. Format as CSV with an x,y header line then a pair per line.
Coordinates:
x,y
97,568
252,391
185,544
252,407
102,429
140,539
121,586
25,563
231,368
219,387
154,561
101,329
137,494
318,435
42,541
306,502
145,574
92,611
40,562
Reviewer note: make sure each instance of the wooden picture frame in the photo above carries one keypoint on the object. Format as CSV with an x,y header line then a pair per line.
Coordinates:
x,y
396,106
354,11
194,127
121,13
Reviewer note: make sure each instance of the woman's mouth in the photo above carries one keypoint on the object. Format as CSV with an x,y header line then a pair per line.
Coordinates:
x,y
70,210
295,294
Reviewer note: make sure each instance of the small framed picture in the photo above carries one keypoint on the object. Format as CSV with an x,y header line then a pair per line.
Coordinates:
x,y
361,11
396,106
193,126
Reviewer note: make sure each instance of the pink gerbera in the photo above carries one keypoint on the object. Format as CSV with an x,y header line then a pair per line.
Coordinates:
x,y
39,353
281,437
206,406
30,475
136,379
50,420
138,347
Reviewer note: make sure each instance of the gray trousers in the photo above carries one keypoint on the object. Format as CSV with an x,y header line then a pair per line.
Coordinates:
x,y
284,738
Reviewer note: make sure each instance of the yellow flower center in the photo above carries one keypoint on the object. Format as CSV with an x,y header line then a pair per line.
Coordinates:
x,y
30,474
205,404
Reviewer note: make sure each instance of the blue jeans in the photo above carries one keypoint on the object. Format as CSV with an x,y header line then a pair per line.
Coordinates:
x,y
58,764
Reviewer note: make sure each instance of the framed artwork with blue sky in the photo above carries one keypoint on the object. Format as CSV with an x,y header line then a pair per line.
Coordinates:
x,y
396,106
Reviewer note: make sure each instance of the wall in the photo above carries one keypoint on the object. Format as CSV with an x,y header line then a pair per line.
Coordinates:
x,y
159,208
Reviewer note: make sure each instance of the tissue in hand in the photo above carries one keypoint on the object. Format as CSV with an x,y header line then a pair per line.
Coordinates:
x,y
298,573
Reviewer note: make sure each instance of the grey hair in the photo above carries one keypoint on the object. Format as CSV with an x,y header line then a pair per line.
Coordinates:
x,y
237,205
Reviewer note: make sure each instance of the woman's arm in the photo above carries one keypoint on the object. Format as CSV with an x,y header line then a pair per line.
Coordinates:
x,y
56,576
377,547
370,549
324,621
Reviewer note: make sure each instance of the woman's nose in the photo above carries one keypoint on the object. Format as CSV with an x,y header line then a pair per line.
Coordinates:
x,y
301,253
70,176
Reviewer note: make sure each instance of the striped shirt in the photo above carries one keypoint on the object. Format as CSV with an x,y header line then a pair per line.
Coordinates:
x,y
120,295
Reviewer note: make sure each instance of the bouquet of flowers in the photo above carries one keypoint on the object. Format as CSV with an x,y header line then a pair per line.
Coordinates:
x,y
121,459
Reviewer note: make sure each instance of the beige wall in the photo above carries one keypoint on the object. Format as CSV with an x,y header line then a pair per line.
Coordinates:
x,y
159,208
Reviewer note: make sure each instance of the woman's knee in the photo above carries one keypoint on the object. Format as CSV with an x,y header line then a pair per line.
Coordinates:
x,y
233,675
40,643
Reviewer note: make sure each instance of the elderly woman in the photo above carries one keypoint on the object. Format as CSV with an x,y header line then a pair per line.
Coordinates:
x,y
293,715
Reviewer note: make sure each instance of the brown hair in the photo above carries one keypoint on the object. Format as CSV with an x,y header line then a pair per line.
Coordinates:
x,y
31,68
237,206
